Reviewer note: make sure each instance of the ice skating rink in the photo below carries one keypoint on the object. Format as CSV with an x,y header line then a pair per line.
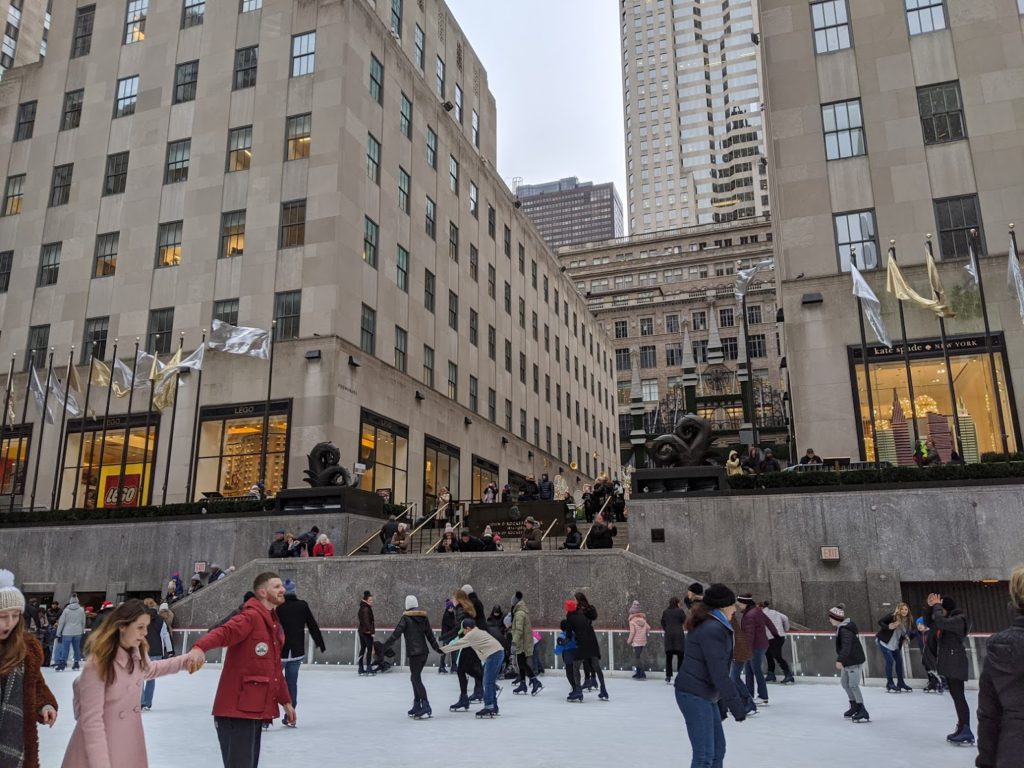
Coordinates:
x,y
349,720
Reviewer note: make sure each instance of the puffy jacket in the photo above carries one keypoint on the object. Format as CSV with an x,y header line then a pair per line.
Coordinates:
x,y
72,620
522,630
638,629
779,620
295,618
849,651
1001,700
157,636
672,622
419,637
323,550
530,491
742,650
950,655
252,685
366,622
531,539
278,548
601,536
705,669
755,625
547,490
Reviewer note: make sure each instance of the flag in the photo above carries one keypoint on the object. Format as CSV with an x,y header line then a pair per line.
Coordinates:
x,y
744,276
99,373
1013,276
11,415
37,392
239,340
122,379
972,266
872,306
164,388
75,385
897,285
64,397
942,309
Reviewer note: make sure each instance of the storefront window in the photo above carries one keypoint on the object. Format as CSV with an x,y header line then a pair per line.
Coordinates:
x,y
975,396
384,450
95,457
484,473
440,470
14,458
231,448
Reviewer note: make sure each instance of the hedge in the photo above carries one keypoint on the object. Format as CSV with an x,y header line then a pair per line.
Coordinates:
x,y
1001,457
57,516
890,475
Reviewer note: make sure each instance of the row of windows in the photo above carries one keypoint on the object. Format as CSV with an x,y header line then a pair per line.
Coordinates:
x,y
698,321
831,21
648,354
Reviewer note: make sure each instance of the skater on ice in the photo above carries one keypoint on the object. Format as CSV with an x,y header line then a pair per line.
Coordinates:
x,y
491,656
419,639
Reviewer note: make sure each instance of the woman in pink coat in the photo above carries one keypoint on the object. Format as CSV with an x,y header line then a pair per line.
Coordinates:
x,y
108,731
638,629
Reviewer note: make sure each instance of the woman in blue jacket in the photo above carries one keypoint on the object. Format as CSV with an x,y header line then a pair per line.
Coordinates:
x,y
703,685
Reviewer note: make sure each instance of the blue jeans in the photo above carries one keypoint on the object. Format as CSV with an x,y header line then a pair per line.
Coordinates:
x,y
754,671
892,659
492,666
149,687
291,678
704,727
68,642
735,673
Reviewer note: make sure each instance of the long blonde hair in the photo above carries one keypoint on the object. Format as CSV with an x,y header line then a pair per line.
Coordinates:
x,y
467,605
102,644
907,622
1017,588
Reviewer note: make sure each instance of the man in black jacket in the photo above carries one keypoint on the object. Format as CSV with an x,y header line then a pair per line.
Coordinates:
x,y
278,547
849,661
530,491
295,618
386,532
546,488
601,533
1001,689
468,543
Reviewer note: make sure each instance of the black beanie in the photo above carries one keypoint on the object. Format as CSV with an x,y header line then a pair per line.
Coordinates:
x,y
719,596
948,604
697,588
366,594
468,624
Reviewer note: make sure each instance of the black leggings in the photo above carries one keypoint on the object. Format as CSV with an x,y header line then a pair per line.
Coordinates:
x,y
775,656
469,665
956,691
668,662
572,672
525,671
592,669
365,650
416,664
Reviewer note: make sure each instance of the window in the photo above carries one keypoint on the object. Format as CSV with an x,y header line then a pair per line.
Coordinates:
x,y
507,243
700,350
376,80
439,79
116,176
831,26
405,117
94,339
372,158
508,299
431,148
671,324
26,121
297,136
428,366
474,387
508,415
246,60
402,269
6,261
404,184
396,17
453,174
492,405
81,42
135,21
942,113
522,260
239,148
226,310
522,313
401,348
185,78
699,320
192,13
428,290
293,224
491,221
533,275
730,348
726,318
168,244
844,129
232,234
430,218
60,187
158,332
368,330
49,264
1020,7
622,361
673,355
508,355
925,16
474,323
648,357
857,231
649,390
14,193
105,259
646,326
474,202
38,341
458,103
72,115
287,308
756,346
621,329
491,281
371,237
492,342
453,381
956,217
420,45
303,53
475,129
178,155
127,94
453,310
453,241
474,263
250,5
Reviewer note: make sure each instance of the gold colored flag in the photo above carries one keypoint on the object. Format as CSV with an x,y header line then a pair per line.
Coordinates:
x,y
938,292
99,373
897,285
165,382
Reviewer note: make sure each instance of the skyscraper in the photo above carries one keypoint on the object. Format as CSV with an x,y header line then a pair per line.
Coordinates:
x,y
570,212
692,102
26,24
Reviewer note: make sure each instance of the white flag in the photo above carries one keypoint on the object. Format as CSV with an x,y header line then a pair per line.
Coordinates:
x,y
239,340
1016,282
37,392
871,304
972,267
744,276
64,398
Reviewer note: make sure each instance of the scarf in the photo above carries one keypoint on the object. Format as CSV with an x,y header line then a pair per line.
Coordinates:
x,y
12,725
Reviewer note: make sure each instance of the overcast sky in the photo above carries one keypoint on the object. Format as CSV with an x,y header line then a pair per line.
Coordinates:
x,y
553,67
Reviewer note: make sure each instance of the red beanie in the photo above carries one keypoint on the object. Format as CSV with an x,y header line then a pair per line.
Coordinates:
x,y
570,606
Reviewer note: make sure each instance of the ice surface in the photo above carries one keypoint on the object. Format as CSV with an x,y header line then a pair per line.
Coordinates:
x,y
349,720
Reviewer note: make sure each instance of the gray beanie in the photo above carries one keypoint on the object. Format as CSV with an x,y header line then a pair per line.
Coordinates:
x,y
10,595
411,603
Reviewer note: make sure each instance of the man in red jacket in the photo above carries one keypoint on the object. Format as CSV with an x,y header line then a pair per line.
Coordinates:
x,y
252,685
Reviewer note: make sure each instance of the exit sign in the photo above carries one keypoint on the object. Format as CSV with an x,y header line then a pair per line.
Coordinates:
x,y
830,554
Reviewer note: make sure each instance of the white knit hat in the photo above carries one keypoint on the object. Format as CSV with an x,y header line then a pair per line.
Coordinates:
x,y
411,602
468,589
10,595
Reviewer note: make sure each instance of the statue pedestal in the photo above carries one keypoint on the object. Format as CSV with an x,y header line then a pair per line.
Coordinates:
x,y
331,498
666,482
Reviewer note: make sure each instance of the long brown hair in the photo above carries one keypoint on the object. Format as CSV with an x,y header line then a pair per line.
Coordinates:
x,y
14,648
102,644
699,613
467,605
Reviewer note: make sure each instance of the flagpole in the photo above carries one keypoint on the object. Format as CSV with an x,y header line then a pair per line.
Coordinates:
x,y
58,469
266,415
149,411
988,338
127,425
7,407
42,427
193,443
81,434
906,358
867,383
24,418
949,370
174,416
103,433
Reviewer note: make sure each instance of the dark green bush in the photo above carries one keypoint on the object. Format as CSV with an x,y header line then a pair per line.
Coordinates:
x,y
57,516
891,475
993,457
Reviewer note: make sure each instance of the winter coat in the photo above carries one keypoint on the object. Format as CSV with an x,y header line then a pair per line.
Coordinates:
x,y
951,656
415,626
36,695
295,617
755,624
252,685
849,651
489,495
530,491
742,649
770,465
638,629
72,620
401,541
157,636
884,634
672,623
323,550
1001,700
366,622
733,467
472,544
522,630
531,539
451,622
478,606
573,541
108,718
582,625
482,642
547,490
705,668
387,531
779,620
278,548
601,536
506,495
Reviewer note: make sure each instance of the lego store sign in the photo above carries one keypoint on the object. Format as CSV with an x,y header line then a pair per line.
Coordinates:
x,y
134,488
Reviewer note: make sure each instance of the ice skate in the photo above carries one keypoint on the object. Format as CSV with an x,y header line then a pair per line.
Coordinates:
x,y
462,703
415,708
520,689
861,715
963,738
491,712
424,712
575,696
788,680
536,686
603,695
851,711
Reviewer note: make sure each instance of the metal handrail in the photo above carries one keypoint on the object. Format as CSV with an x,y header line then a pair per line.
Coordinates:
x,y
553,523
601,512
426,520
410,506
437,543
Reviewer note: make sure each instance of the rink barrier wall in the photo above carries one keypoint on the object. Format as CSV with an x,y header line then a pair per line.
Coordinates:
x,y
810,654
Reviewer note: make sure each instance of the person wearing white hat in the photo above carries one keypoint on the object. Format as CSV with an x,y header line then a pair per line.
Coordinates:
x,y
24,697
415,626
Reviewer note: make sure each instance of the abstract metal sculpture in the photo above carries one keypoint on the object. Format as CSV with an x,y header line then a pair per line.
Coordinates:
x,y
324,469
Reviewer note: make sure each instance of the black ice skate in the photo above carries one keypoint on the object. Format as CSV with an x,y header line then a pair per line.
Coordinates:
x,y
491,712
462,703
